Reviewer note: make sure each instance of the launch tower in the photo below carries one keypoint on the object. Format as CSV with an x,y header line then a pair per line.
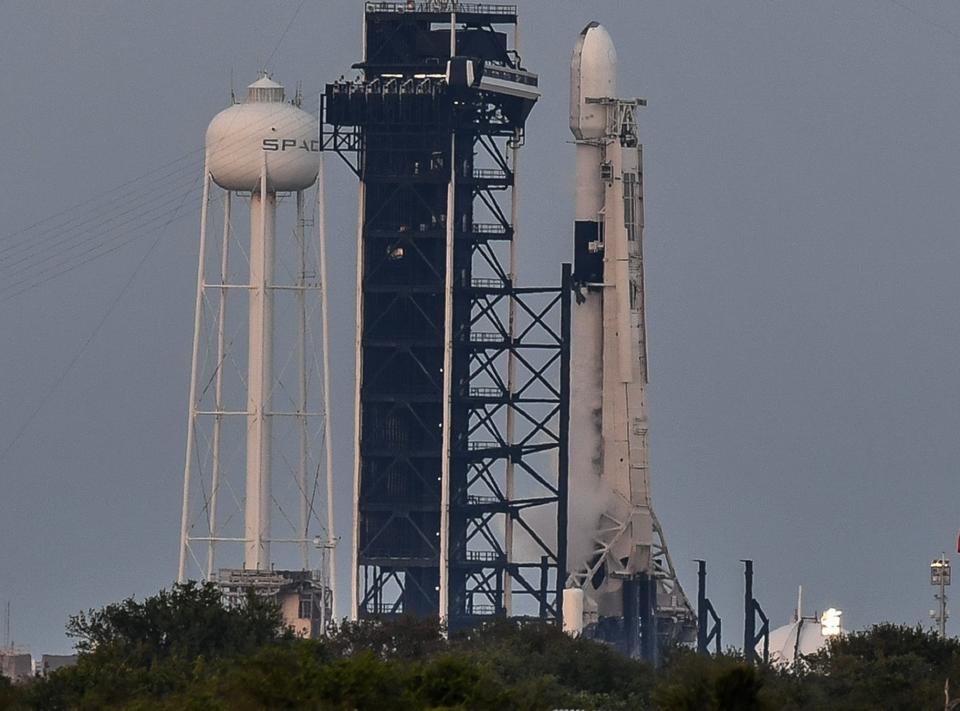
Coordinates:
x,y
462,375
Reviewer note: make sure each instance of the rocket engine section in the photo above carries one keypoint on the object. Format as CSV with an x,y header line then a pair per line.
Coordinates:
x,y
621,575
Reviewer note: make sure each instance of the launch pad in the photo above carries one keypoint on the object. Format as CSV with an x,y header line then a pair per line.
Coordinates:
x,y
468,384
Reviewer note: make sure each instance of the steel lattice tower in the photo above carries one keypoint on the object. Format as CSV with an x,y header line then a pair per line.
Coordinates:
x,y
462,376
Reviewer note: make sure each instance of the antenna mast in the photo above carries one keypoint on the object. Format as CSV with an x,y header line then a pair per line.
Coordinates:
x,y
6,626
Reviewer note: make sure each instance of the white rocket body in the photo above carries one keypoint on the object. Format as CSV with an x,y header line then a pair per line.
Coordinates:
x,y
612,536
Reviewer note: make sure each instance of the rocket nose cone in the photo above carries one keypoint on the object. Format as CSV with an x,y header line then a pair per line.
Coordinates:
x,y
593,74
598,58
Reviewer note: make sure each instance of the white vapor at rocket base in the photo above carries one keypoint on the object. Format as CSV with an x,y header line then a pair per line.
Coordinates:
x,y
618,562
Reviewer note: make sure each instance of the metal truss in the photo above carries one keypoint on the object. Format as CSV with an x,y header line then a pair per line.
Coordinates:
x,y
212,525
460,482
512,479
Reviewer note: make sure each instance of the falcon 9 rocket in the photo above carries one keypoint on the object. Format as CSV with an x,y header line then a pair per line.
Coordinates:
x,y
622,585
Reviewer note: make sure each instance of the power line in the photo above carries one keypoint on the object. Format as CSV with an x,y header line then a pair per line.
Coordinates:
x,y
121,198
284,34
57,250
29,283
72,208
25,425
119,194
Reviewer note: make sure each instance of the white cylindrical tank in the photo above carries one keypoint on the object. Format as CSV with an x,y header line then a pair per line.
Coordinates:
x,y
593,75
573,611
239,137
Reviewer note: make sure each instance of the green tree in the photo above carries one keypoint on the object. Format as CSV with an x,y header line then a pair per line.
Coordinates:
x,y
540,661
405,637
147,650
182,649
7,693
692,682
187,621
886,666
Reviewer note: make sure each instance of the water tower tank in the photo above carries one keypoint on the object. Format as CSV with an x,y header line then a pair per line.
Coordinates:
x,y
238,139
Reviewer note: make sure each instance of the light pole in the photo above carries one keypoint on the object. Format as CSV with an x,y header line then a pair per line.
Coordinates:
x,y
940,579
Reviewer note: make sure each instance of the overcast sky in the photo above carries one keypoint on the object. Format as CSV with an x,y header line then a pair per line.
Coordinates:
x,y
802,260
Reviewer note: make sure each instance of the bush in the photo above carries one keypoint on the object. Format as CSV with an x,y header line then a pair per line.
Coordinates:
x,y
182,649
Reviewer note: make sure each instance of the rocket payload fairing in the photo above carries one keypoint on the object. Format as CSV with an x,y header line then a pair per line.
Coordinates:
x,y
621,576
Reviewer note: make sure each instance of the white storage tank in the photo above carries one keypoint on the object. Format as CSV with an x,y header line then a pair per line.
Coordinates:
x,y
240,137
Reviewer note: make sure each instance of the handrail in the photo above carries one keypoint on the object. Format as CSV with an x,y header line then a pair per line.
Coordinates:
x,y
486,337
483,609
477,500
487,391
487,283
476,8
489,174
489,228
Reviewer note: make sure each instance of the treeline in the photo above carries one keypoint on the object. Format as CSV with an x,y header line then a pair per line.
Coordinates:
x,y
183,650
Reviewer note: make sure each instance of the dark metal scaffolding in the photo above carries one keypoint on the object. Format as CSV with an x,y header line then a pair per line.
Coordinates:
x,y
436,163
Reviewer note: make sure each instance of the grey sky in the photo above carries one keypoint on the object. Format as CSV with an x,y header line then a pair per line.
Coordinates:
x,y
802,253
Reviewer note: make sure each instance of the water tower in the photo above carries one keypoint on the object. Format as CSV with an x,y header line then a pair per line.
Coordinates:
x,y
257,466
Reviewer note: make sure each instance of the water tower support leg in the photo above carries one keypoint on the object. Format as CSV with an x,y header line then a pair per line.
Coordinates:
x,y
192,417
218,386
260,377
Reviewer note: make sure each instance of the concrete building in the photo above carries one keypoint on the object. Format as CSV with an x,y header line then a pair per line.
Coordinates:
x,y
304,602
15,665
49,663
